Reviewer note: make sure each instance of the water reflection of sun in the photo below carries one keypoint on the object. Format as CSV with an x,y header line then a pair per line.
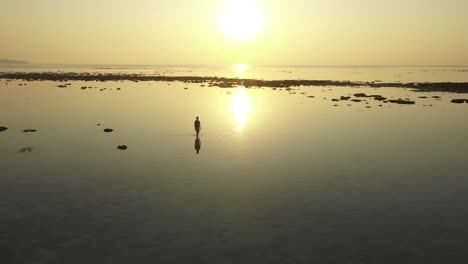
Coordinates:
x,y
241,107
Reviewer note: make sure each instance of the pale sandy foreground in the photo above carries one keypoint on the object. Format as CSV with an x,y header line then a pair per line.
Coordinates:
x,y
281,177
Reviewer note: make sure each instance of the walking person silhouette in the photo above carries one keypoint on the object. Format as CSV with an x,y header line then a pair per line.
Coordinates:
x,y
197,125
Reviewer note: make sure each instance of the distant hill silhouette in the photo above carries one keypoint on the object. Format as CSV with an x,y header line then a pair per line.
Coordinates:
x,y
13,61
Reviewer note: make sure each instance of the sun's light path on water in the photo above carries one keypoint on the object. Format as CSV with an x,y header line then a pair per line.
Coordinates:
x,y
241,20
240,69
240,107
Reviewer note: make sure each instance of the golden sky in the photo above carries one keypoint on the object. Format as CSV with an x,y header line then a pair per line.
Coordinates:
x,y
261,32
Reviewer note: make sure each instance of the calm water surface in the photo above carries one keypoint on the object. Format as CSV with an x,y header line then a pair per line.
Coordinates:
x,y
280,177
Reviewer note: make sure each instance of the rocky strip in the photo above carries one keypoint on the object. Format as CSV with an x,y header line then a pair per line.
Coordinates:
x,y
460,87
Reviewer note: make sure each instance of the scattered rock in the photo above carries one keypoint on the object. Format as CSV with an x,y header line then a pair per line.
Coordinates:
x,y
335,100
83,88
345,98
459,101
423,97
62,86
378,97
311,96
402,102
360,95
24,150
436,97
185,88
29,130
122,147
108,130
356,100
3,129
99,124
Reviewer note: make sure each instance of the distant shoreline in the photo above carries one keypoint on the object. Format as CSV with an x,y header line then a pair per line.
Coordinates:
x,y
8,61
223,82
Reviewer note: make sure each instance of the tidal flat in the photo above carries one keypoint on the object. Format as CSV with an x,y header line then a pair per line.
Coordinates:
x,y
108,172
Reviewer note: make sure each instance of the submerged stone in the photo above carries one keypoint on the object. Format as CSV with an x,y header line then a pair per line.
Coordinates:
x,y
24,150
122,147
3,129
29,130
108,130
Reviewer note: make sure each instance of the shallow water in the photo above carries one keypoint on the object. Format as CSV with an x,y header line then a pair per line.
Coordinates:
x,y
280,177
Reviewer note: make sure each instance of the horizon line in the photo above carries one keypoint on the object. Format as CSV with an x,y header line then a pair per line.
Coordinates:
x,y
226,65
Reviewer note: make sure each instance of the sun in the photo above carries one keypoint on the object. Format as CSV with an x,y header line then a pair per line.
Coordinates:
x,y
241,20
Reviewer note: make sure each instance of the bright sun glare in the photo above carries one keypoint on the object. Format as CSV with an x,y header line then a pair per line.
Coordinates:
x,y
241,20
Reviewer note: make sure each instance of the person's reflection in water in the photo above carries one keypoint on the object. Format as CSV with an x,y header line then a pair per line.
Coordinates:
x,y
197,145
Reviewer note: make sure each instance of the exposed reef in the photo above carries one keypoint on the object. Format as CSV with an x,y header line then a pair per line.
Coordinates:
x,y
222,82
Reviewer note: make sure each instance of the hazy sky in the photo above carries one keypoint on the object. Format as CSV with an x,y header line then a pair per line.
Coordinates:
x,y
294,32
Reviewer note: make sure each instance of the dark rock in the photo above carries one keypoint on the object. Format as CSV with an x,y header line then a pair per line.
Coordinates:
x,y
380,98
311,96
345,98
423,97
436,97
83,88
29,130
62,86
122,147
108,130
377,97
3,129
335,100
24,150
459,101
403,102
356,100
360,95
